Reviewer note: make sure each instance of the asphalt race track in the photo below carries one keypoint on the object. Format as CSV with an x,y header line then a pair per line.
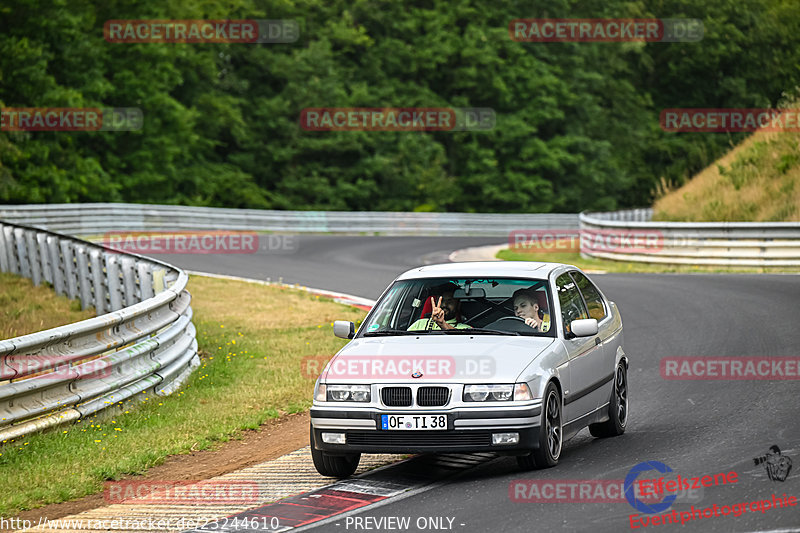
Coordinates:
x,y
695,427
362,266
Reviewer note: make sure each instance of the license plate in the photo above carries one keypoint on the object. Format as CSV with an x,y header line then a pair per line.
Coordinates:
x,y
414,422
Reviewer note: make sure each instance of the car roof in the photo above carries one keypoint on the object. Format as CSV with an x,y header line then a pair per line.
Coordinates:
x,y
522,269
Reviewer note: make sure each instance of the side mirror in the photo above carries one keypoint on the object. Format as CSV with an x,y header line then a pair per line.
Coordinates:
x,y
584,328
347,330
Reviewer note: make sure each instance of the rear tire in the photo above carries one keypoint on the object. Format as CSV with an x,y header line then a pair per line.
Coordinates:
x,y
550,434
338,466
617,407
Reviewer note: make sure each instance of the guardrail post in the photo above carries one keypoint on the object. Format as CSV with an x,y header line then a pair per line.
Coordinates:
x,y
44,258
84,277
3,249
11,250
56,264
96,266
33,257
22,253
145,271
128,265
70,272
169,279
159,282
113,277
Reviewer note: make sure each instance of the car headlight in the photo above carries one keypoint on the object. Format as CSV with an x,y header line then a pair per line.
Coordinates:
x,y
497,393
346,393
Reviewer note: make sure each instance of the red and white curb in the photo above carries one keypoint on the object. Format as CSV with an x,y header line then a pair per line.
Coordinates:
x,y
332,503
196,506
477,253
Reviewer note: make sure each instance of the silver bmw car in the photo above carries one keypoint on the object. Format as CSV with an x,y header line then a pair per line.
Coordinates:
x,y
507,357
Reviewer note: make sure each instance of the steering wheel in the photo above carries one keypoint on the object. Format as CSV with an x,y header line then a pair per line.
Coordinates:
x,y
510,323
520,319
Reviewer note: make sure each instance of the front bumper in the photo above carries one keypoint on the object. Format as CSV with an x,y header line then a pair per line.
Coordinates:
x,y
468,431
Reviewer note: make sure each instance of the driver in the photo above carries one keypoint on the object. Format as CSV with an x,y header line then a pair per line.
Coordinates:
x,y
530,305
444,311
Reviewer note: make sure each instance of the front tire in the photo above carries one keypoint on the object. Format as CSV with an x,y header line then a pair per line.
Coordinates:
x,y
617,407
550,434
338,466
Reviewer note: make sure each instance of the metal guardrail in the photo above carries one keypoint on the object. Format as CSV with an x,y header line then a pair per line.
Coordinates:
x,y
704,243
96,219
741,244
142,341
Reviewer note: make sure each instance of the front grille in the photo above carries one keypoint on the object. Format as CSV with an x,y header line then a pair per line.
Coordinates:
x,y
396,396
432,396
419,438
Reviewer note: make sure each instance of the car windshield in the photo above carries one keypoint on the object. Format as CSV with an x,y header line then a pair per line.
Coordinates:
x,y
439,306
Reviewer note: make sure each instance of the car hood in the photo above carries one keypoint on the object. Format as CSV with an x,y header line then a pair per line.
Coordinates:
x,y
435,358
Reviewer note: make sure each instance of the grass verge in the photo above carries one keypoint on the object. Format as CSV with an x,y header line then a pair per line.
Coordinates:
x,y
605,265
252,340
25,308
757,181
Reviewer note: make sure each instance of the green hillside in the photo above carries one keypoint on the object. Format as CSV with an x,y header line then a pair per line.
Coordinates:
x,y
758,181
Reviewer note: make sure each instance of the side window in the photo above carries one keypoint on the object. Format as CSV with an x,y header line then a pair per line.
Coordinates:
x,y
594,302
572,307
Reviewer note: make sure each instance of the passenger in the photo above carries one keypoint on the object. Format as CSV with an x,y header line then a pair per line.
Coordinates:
x,y
444,311
531,305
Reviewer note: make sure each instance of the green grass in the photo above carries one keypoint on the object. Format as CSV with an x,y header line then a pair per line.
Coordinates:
x,y
624,266
251,372
757,181
25,308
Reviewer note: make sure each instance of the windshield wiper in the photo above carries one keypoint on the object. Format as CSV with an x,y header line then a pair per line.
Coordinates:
x,y
386,332
477,330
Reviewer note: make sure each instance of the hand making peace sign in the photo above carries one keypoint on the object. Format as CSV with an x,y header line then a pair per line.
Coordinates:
x,y
437,313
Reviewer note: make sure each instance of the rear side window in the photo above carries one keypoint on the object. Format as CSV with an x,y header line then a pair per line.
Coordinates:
x,y
572,307
594,302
